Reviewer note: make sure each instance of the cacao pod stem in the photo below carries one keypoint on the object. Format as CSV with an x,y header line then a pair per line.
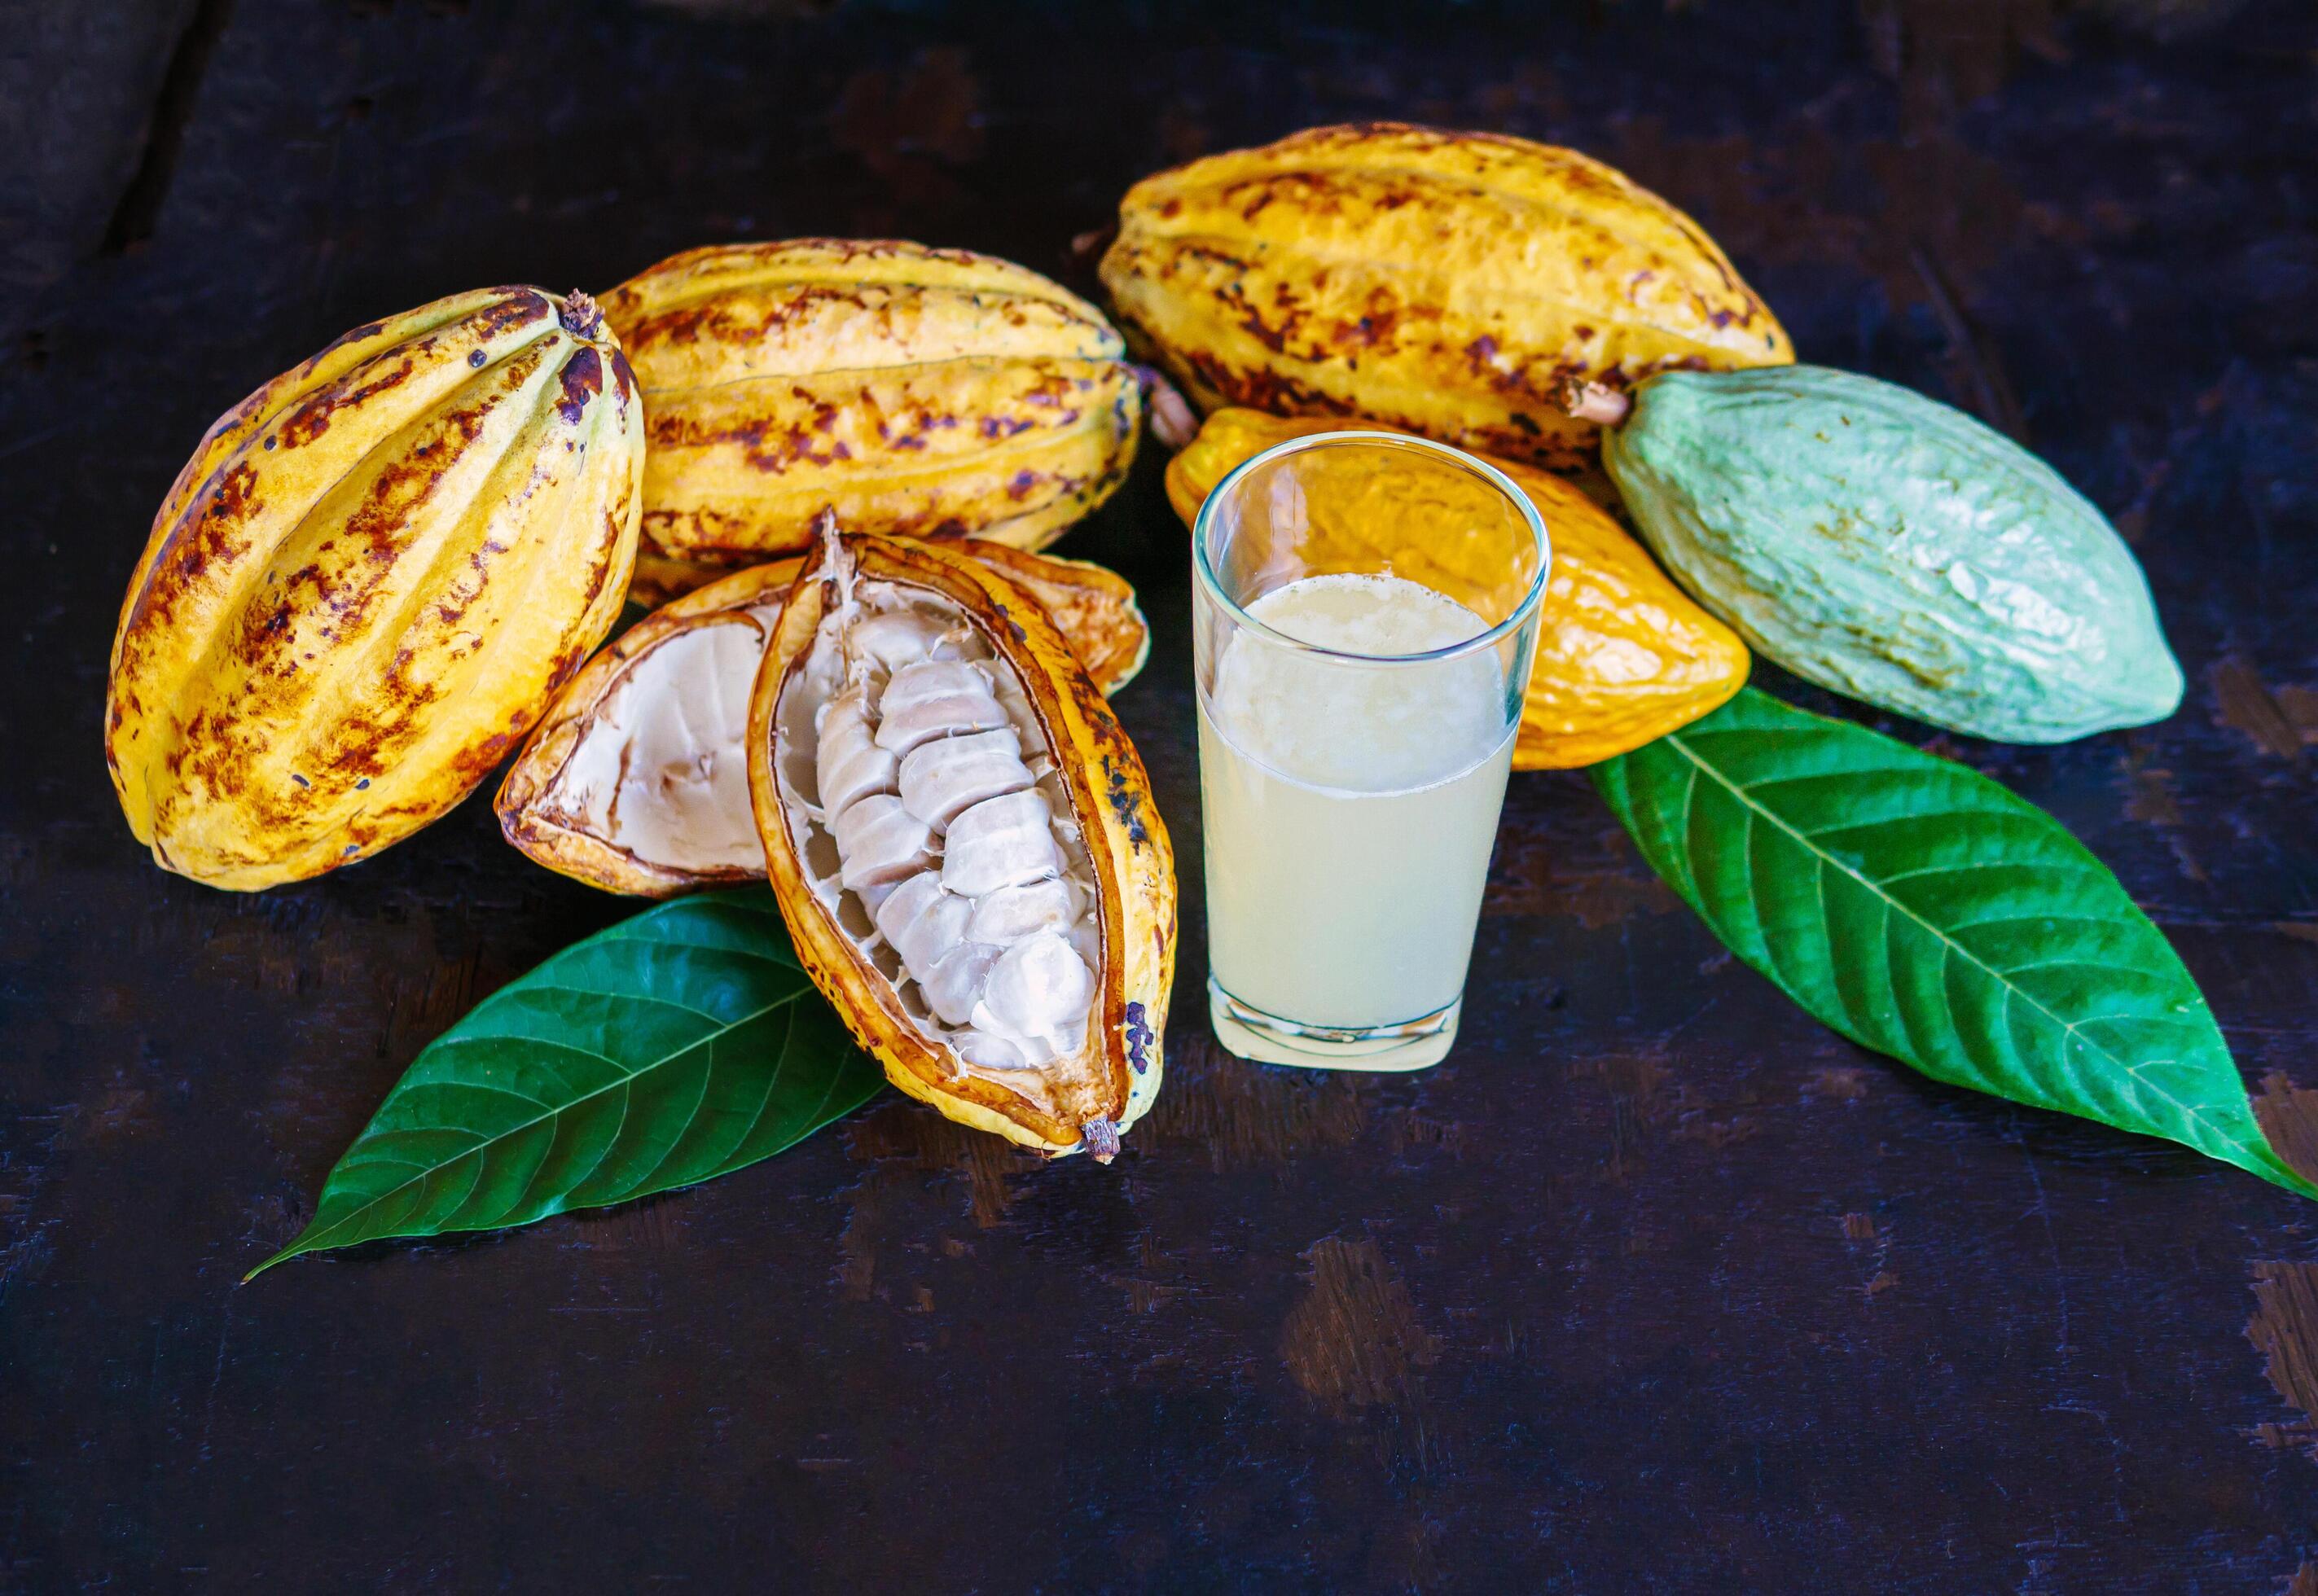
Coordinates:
x,y
1173,421
1088,247
1597,402
1101,1139
580,315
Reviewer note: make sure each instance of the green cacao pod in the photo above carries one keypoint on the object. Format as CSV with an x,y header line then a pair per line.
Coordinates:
x,y
1889,547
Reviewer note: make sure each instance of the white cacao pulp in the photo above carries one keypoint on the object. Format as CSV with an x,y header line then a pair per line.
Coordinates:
x,y
659,769
917,775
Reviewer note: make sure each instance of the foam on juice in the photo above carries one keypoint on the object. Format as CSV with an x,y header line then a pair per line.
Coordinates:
x,y
1338,723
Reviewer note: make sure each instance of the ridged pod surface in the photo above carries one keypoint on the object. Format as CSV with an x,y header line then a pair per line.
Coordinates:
x,y
1623,656
1887,546
964,844
933,392
368,581
1442,281
636,780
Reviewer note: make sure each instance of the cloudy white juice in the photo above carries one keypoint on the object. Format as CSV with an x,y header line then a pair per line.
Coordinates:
x,y
1350,808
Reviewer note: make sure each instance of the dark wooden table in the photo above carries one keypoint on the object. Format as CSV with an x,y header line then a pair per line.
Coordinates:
x,y
1655,1286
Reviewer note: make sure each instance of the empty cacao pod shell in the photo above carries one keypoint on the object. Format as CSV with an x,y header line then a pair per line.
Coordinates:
x,y
1623,656
1439,280
964,844
636,780
369,581
928,392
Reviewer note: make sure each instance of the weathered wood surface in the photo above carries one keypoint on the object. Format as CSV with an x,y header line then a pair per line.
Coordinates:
x,y
1656,1286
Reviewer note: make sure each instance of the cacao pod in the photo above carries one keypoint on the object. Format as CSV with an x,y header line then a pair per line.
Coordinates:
x,y
1442,282
964,845
368,581
659,577
1623,656
1893,549
908,390
636,781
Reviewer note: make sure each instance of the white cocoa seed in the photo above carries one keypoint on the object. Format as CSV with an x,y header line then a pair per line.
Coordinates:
x,y
1036,988
851,764
880,842
1001,842
936,698
921,922
1011,913
941,779
955,985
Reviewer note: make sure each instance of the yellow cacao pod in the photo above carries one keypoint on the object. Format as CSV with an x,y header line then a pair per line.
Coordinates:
x,y
368,581
1442,281
964,845
636,780
1623,656
928,392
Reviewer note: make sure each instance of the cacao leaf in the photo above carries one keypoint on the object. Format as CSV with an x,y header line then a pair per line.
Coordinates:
x,y
1924,911
677,1045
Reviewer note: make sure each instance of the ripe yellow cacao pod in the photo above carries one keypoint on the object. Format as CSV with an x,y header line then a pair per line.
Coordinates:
x,y
1623,656
964,845
926,392
368,581
1442,281
636,780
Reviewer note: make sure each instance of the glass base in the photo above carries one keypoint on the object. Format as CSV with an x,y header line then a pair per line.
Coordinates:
x,y
1252,1034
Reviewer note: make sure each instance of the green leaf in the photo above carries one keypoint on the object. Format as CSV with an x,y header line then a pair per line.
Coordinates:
x,y
1924,911
677,1045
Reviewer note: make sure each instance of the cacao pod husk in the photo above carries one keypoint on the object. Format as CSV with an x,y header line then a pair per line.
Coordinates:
x,y
1623,656
1442,282
636,779
933,392
660,577
892,835
1893,548
369,581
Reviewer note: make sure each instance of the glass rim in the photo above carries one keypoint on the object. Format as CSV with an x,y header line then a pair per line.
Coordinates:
x,y
1522,612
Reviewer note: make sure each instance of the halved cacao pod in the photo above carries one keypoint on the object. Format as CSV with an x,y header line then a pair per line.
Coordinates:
x,y
369,581
1442,281
964,844
636,780
1623,656
926,392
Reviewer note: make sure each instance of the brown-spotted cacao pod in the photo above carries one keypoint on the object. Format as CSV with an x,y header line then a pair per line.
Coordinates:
x,y
1623,656
1439,280
369,581
964,845
636,780
660,577
928,392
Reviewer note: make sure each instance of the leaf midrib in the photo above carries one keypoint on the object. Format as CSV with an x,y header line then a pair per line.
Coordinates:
x,y
2069,1029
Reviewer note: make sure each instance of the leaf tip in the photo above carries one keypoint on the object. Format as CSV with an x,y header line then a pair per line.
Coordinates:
x,y
285,1256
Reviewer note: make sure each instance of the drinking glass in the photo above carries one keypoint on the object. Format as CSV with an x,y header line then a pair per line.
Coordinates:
x,y
1365,612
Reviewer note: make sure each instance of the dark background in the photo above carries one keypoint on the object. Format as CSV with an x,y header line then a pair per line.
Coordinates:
x,y
1656,1286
